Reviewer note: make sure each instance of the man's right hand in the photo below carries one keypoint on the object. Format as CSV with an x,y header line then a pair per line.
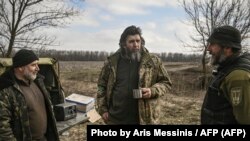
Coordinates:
x,y
105,116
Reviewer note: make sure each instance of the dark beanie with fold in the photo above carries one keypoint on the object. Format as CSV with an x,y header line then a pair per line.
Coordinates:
x,y
226,35
24,57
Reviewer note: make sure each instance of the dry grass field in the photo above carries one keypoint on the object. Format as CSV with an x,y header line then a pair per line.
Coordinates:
x,y
182,104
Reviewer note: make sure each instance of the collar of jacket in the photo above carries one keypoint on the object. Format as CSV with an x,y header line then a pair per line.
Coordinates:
x,y
234,59
7,79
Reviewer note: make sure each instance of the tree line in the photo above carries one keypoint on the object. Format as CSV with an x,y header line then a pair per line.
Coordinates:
x,y
64,55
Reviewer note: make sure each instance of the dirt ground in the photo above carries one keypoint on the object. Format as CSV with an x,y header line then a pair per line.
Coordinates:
x,y
182,104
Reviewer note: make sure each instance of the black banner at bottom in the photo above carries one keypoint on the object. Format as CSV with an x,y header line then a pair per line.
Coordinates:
x,y
163,132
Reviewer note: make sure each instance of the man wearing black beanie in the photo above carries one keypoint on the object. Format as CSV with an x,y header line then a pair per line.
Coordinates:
x,y
25,107
23,57
227,100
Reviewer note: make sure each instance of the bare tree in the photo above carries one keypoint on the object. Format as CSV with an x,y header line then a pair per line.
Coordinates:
x,y
21,19
205,15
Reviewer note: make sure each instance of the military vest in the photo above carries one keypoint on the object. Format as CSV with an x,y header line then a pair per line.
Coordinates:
x,y
216,109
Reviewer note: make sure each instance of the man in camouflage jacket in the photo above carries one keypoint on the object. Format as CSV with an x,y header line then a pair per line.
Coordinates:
x,y
14,109
132,67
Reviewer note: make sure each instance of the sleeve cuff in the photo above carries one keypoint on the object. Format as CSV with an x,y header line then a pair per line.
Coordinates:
x,y
153,93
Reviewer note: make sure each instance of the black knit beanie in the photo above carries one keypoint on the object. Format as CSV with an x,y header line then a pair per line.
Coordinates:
x,y
226,35
23,57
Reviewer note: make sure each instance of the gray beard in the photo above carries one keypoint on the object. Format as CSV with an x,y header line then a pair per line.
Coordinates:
x,y
29,76
136,56
216,60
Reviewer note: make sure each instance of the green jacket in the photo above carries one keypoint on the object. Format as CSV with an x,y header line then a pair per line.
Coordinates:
x,y
236,88
228,97
152,74
14,119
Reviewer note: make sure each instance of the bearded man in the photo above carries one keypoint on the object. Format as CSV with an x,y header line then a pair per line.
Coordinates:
x,y
25,107
228,96
132,68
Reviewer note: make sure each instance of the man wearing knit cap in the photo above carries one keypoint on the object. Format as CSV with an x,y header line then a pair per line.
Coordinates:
x,y
25,107
227,100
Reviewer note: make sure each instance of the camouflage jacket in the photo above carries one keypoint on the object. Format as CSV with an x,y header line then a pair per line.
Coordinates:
x,y
152,74
14,119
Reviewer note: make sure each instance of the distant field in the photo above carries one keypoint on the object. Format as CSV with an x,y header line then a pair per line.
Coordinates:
x,y
80,65
82,76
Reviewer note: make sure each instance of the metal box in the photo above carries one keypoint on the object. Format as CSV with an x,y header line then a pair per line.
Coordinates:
x,y
65,111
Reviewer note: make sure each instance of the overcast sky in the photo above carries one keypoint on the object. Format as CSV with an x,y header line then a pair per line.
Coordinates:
x,y
100,25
